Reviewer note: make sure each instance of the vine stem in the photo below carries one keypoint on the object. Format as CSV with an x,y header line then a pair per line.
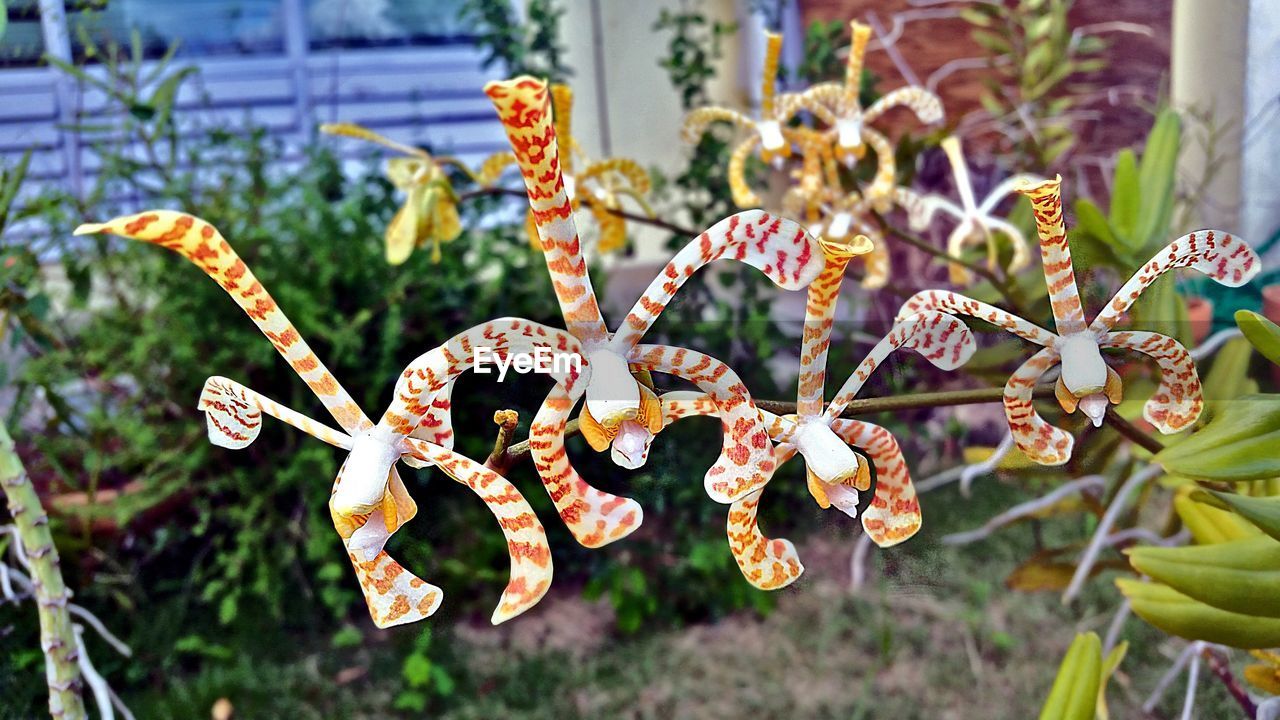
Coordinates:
x,y
57,639
856,407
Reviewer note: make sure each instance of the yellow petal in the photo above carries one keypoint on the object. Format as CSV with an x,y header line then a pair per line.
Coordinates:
x,y
402,233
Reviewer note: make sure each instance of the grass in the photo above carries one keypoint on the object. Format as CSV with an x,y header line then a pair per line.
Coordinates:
x,y
935,635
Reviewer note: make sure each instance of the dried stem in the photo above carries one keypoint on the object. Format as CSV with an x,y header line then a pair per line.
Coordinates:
x,y
57,637
1218,664
506,420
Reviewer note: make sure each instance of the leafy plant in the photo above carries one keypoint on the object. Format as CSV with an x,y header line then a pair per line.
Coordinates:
x,y
1033,53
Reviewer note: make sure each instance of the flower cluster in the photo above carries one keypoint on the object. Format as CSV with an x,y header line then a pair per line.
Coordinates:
x,y
851,465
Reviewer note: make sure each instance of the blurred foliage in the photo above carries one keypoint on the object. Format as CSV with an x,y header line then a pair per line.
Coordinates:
x,y
521,46
219,555
1035,58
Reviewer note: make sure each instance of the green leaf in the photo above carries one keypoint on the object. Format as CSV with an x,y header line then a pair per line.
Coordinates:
x,y
1089,219
1126,198
166,93
1156,175
227,609
1075,689
1263,334
4,18
1264,512
1229,376
417,670
1238,444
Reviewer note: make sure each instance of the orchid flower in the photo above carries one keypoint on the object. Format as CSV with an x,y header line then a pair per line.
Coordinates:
x,y
1086,381
838,105
833,215
368,501
429,215
600,185
976,223
836,473
769,133
621,412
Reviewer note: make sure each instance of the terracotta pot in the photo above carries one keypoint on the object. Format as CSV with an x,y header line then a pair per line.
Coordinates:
x,y
1200,315
1271,309
1271,303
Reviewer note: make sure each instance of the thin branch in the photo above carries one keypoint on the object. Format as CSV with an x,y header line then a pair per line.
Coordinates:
x,y
1222,670
1162,686
633,217
1131,431
1099,540
1021,510
864,406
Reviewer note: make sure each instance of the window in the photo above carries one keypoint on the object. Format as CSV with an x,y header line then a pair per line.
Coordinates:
x,y
200,27
382,23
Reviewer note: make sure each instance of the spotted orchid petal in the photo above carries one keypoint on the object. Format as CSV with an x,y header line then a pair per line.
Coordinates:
x,y
957,304
940,338
1177,402
234,412
820,311
746,457
1225,259
530,556
203,245
894,513
1055,253
779,248
594,517
1037,439
524,108
766,563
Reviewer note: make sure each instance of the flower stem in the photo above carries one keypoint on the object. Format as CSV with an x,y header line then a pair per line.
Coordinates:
x,y
865,406
56,636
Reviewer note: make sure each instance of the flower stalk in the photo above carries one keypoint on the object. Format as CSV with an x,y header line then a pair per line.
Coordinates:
x,y
57,638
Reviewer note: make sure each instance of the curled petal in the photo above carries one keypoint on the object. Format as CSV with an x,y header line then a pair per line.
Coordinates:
x,y
894,513
926,106
768,564
1177,403
697,122
526,539
394,595
1224,258
492,167
422,381
779,248
957,304
746,456
743,195
594,517
233,413
942,339
1037,439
